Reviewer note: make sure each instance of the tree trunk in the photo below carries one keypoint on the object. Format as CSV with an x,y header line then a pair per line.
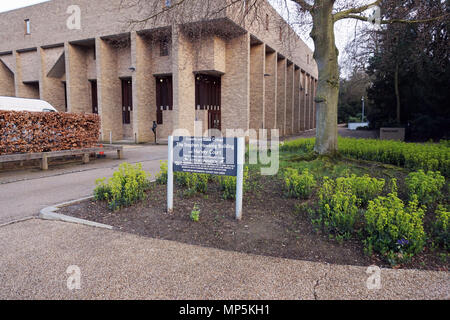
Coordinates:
x,y
326,55
397,94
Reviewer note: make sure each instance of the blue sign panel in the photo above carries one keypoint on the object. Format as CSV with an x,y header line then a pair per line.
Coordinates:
x,y
207,155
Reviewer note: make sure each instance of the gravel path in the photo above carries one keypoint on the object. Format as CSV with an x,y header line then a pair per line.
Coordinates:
x,y
114,265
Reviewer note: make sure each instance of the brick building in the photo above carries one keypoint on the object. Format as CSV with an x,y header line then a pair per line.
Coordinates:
x,y
228,67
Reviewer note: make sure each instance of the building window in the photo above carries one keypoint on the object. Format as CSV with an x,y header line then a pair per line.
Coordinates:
x,y
27,26
267,22
164,47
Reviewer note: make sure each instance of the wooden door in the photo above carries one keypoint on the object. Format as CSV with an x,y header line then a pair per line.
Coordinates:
x,y
164,96
127,100
208,97
94,96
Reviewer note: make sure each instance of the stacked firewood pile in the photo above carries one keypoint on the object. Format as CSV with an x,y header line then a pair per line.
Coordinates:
x,y
30,132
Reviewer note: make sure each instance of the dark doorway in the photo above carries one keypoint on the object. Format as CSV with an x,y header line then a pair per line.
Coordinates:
x,y
164,96
208,97
127,100
94,96
65,96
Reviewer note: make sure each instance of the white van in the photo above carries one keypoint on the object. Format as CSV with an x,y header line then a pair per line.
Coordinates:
x,y
30,105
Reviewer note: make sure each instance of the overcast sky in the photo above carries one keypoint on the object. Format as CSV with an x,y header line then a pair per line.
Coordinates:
x,y
344,29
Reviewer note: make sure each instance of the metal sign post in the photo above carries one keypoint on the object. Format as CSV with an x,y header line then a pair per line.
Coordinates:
x,y
240,177
207,155
170,177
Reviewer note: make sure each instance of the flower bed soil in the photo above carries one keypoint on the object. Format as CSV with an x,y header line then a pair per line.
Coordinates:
x,y
272,225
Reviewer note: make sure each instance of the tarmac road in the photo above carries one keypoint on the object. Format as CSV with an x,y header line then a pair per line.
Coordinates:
x,y
24,193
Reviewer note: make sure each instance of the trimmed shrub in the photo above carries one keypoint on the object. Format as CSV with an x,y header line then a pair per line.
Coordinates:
x,y
393,230
441,225
228,185
299,185
194,182
426,186
126,187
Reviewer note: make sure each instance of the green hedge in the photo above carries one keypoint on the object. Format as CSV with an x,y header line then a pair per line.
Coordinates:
x,y
414,156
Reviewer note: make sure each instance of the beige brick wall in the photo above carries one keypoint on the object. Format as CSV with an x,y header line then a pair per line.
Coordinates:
x,y
271,91
51,89
289,99
210,54
24,90
109,91
297,93
257,88
303,102
144,100
78,89
281,96
236,84
183,81
6,81
311,102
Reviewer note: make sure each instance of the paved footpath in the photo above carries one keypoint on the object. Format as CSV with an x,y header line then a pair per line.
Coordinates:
x,y
24,193
116,265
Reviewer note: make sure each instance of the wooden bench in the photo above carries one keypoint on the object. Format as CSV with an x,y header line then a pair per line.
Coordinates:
x,y
44,156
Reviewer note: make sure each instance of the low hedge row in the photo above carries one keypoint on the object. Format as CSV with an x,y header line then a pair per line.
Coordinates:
x,y
413,156
31,132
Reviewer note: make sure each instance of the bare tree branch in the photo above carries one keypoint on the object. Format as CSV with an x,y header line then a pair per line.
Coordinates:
x,y
304,5
391,21
345,13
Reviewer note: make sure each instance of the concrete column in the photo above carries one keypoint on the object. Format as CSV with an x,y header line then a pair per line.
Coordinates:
x,y
236,84
270,85
109,91
311,103
23,90
51,89
257,94
281,96
144,95
6,81
297,95
315,105
183,81
303,102
307,102
289,99
78,89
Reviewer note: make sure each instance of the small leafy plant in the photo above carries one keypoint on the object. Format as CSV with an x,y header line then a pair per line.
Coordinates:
x,y
195,213
194,182
441,226
394,230
426,186
338,209
126,187
161,177
228,185
364,188
298,185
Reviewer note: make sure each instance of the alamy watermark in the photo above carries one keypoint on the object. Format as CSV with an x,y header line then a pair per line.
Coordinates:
x,y
374,280
74,20
74,279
